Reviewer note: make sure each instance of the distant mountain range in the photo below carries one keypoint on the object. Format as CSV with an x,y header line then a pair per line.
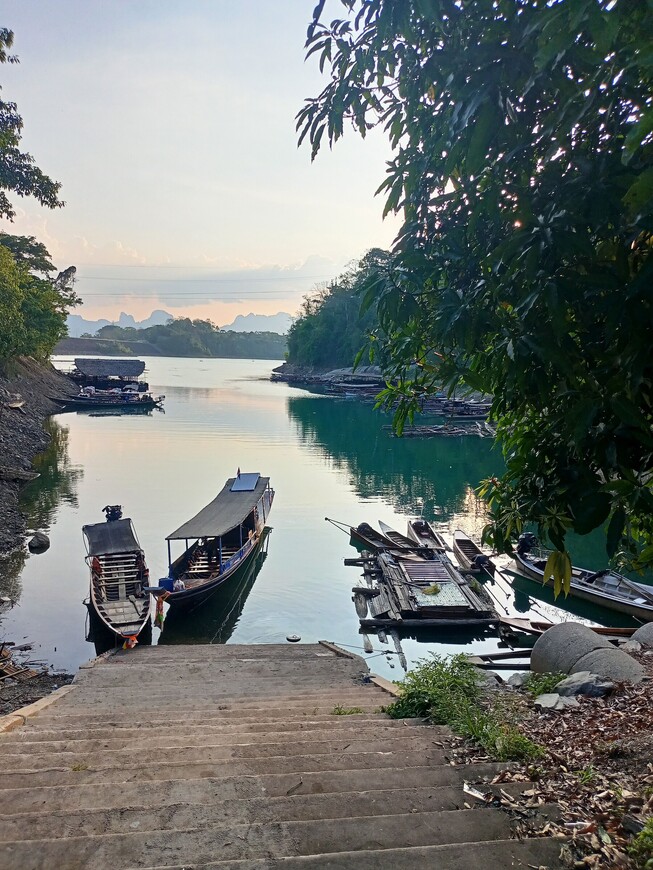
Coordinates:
x,y
78,326
279,322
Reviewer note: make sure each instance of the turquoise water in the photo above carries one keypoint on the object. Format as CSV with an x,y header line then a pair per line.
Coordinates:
x,y
326,457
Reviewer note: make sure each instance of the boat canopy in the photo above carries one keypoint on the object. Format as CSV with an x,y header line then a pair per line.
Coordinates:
x,y
233,504
106,368
112,537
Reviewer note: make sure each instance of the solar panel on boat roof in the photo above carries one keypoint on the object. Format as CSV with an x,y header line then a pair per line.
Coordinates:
x,y
245,482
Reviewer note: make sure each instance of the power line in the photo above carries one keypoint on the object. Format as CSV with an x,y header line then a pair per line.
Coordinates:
x,y
209,280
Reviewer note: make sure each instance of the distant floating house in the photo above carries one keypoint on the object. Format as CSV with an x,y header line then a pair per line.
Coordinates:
x,y
105,374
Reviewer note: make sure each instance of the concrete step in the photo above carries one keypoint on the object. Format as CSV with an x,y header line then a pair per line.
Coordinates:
x,y
201,737
277,839
253,751
266,690
296,672
32,733
63,823
196,787
494,855
223,652
169,768
190,713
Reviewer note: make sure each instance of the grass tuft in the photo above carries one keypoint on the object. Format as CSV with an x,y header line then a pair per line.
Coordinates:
x,y
447,692
339,710
542,684
641,849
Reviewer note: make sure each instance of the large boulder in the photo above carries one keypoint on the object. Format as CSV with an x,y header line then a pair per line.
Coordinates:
x,y
644,634
584,683
38,543
562,645
613,664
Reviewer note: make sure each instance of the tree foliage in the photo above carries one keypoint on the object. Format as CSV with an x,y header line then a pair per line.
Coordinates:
x,y
522,136
18,170
331,329
201,338
33,308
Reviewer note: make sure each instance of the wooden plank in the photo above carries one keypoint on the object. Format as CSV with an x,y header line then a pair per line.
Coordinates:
x,y
444,622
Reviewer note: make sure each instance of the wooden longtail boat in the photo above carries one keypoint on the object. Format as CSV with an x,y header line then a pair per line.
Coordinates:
x,y
99,401
531,626
606,588
469,555
370,538
425,535
226,535
119,577
397,538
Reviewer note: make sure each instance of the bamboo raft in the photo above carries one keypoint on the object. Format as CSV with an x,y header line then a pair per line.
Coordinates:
x,y
416,593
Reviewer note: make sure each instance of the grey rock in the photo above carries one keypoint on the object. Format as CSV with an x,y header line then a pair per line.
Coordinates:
x,y
613,664
562,645
517,681
554,701
584,683
39,543
631,646
491,679
644,634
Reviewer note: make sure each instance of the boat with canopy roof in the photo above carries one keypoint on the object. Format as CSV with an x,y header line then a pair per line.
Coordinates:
x,y
220,540
119,575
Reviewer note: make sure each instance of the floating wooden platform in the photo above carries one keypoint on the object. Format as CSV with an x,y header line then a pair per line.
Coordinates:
x,y
418,593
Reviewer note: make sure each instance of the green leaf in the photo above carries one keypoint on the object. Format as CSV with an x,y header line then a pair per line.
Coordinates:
x,y
615,531
484,132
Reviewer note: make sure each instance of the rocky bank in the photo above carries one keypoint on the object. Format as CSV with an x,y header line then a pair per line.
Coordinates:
x,y
26,391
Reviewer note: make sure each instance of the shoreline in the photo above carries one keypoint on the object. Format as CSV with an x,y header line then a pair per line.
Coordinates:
x,y
28,385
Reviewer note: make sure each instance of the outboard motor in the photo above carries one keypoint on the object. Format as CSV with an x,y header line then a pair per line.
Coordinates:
x,y
483,563
526,543
112,512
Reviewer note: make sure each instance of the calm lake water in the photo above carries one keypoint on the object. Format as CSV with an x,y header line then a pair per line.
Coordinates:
x,y
326,457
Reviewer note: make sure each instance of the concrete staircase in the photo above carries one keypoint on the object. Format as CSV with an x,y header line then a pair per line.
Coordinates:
x,y
232,757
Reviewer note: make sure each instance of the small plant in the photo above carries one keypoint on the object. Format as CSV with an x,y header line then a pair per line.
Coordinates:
x,y
448,693
586,775
542,684
79,766
641,849
339,710
434,589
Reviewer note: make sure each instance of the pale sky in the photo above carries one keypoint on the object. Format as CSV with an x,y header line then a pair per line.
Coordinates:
x,y
170,124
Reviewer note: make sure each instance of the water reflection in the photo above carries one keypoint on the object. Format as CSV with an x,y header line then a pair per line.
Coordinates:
x,y
214,620
433,477
57,482
39,499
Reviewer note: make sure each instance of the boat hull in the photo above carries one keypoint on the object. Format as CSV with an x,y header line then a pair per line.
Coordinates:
x,y
594,596
465,550
188,598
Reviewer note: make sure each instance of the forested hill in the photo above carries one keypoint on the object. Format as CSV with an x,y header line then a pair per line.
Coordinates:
x,y
333,324
182,337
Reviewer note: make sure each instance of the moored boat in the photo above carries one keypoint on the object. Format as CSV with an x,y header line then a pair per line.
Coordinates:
x,y
370,538
397,538
226,535
98,400
423,533
469,555
606,588
119,575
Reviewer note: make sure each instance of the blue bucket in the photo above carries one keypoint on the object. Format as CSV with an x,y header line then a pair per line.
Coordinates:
x,y
167,583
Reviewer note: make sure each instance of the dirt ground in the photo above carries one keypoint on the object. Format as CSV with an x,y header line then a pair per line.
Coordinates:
x,y
19,693
22,435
